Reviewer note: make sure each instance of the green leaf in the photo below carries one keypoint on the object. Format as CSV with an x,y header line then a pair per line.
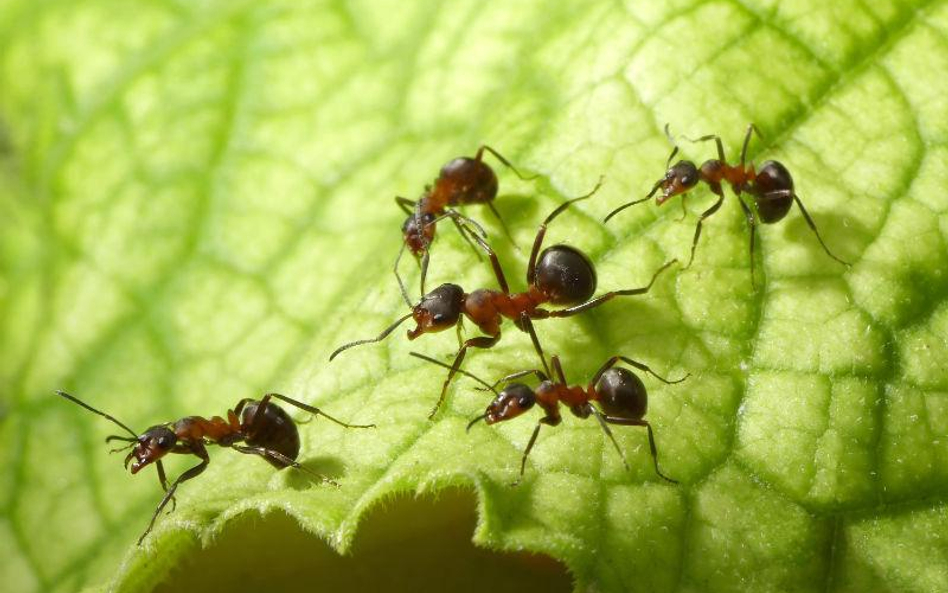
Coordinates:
x,y
196,207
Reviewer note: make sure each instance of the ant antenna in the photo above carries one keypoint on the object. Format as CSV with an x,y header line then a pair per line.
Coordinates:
x,y
99,412
378,338
475,421
449,367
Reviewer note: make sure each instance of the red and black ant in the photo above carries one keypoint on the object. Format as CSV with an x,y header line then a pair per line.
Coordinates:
x,y
265,427
771,188
561,275
462,181
620,394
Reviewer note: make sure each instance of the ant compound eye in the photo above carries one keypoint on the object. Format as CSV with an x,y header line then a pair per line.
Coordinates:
x,y
565,275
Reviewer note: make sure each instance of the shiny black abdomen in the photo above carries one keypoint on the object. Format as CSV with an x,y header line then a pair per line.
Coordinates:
x,y
272,429
772,176
622,394
565,275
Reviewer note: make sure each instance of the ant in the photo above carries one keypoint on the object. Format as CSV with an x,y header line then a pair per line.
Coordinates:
x,y
560,275
463,180
771,187
265,427
621,396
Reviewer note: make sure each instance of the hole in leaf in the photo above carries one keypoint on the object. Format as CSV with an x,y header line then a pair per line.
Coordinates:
x,y
406,544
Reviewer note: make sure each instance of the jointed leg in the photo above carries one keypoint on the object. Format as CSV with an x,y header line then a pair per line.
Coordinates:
x,y
311,409
570,311
526,452
651,439
494,263
408,206
541,232
605,428
461,371
806,215
164,482
642,367
717,141
714,208
497,155
527,325
558,369
751,129
478,342
753,233
503,224
286,461
169,495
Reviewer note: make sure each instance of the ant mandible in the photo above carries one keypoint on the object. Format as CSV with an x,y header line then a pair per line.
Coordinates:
x,y
771,187
462,181
620,394
265,427
560,275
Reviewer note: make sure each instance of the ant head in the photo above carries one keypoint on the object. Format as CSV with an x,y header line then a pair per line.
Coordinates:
x,y
151,446
466,181
418,232
438,310
565,275
622,394
514,400
680,178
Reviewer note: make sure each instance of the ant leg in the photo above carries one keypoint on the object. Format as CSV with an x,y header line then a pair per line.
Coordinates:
x,y
684,211
478,342
503,224
164,483
651,439
527,325
494,262
605,428
461,371
753,232
751,129
707,213
717,141
398,277
286,461
378,338
405,204
570,311
784,193
541,232
497,155
195,471
467,239
526,452
558,368
311,409
642,367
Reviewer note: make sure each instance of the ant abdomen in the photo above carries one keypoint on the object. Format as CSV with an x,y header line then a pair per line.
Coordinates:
x,y
272,429
773,177
565,275
622,394
466,181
